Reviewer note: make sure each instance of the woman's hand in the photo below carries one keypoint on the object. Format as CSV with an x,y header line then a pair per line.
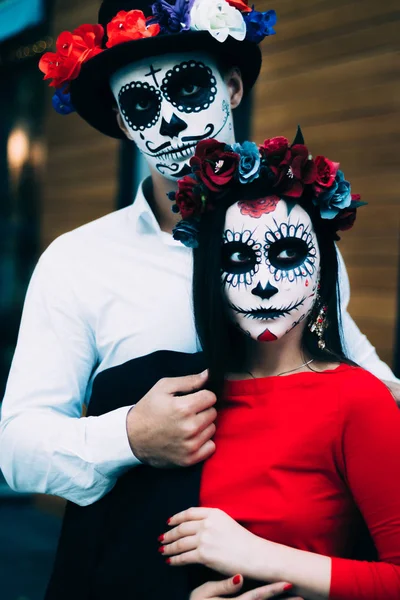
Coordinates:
x,y
217,590
209,537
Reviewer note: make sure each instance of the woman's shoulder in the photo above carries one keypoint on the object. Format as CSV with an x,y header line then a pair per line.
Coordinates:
x,y
360,390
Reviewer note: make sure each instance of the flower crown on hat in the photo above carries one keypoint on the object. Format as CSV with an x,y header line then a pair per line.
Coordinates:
x,y
275,170
221,18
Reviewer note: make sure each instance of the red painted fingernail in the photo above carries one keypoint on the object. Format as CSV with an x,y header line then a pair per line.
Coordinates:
x,y
169,521
161,549
237,579
288,587
168,561
161,537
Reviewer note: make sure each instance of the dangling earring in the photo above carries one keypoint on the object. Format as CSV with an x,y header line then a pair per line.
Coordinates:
x,y
321,323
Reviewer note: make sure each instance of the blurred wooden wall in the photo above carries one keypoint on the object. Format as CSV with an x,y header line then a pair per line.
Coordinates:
x,y
334,68
82,164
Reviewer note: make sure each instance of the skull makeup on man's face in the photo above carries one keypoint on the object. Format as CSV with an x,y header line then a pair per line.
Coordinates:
x,y
270,267
169,103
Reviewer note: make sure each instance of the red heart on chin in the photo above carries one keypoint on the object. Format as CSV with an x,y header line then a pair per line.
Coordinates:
x,y
267,336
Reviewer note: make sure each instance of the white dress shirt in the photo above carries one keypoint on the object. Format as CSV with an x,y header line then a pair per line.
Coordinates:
x,y
108,292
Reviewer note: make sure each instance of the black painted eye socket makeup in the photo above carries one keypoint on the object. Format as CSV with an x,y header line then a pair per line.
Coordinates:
x,y
238,257
140,104
190,86
288,253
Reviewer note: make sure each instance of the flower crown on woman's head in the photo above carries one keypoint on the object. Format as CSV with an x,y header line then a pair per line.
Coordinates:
x,y
221,18
275,169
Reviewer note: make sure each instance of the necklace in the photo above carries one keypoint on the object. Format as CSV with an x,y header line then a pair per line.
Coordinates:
x,y
287,372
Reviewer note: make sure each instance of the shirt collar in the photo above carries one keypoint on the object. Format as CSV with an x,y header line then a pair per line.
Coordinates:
x,y
143,215
146,223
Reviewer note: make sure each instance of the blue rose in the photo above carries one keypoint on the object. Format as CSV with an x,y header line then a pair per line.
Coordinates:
x,y
186,232
259,25
250,161
172,18
335,199
62,102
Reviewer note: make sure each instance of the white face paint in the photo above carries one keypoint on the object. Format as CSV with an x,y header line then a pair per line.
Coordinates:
x,y
169,103
270,266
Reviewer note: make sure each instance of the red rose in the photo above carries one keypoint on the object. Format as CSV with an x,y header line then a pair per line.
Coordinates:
x,y
274,150
128,26
90,35
56,67
187,199
206,147
257,208
326,173
73,49
303,167
295,171
241,5
215,167
345,219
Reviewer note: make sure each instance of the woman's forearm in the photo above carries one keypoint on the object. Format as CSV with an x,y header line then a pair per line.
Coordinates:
x,y
310,573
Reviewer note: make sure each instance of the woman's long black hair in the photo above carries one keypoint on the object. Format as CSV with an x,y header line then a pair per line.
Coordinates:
x,y
223,344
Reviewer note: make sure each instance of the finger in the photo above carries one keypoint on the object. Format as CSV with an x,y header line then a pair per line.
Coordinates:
x,y
201,400
196,513
184,385
186,558
205,452
186,544
197,442
205,418
183,530
218,588
272,590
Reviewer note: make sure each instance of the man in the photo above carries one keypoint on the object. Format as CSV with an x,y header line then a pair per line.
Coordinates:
x,y
108,317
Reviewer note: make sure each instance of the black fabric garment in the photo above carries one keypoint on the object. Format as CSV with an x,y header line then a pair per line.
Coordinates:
x,y
109,550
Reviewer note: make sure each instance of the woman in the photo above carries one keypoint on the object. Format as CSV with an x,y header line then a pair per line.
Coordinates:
x,y
308,452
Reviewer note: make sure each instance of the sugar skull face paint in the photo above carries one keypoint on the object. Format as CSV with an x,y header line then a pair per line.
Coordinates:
x,y
270,267
168,105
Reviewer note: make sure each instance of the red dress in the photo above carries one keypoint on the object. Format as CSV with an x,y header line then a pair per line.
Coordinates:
x,y
302,460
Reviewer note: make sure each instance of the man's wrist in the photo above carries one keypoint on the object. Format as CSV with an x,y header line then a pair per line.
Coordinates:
x,y
132,431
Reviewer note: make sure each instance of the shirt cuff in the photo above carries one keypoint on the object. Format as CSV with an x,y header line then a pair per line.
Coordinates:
x,y
108,444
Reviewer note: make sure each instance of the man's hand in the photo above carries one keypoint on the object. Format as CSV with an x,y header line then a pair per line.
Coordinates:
x,y
395,389
217,590
173,423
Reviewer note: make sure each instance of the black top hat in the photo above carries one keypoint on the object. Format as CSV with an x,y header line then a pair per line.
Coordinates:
x,y
91,93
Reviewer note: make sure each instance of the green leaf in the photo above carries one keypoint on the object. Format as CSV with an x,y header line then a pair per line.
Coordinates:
x,y
299,139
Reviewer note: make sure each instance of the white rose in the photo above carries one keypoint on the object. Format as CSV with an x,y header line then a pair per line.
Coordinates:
x,y
218,18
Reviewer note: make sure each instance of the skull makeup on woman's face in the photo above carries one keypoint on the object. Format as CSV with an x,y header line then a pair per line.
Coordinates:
x,y
169,103
270,267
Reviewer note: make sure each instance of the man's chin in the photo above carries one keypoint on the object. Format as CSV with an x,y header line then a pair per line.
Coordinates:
x,y
175,170
186,170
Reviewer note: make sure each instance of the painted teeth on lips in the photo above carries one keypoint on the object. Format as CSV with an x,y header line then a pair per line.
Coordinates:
x,y
182,151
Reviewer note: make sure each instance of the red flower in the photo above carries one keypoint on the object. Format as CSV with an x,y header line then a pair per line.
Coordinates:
x,y
303,167
215,167
128,26
345,219
296,171
241,5
187,199
73,49
326,173
257,208
291,167
274,150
